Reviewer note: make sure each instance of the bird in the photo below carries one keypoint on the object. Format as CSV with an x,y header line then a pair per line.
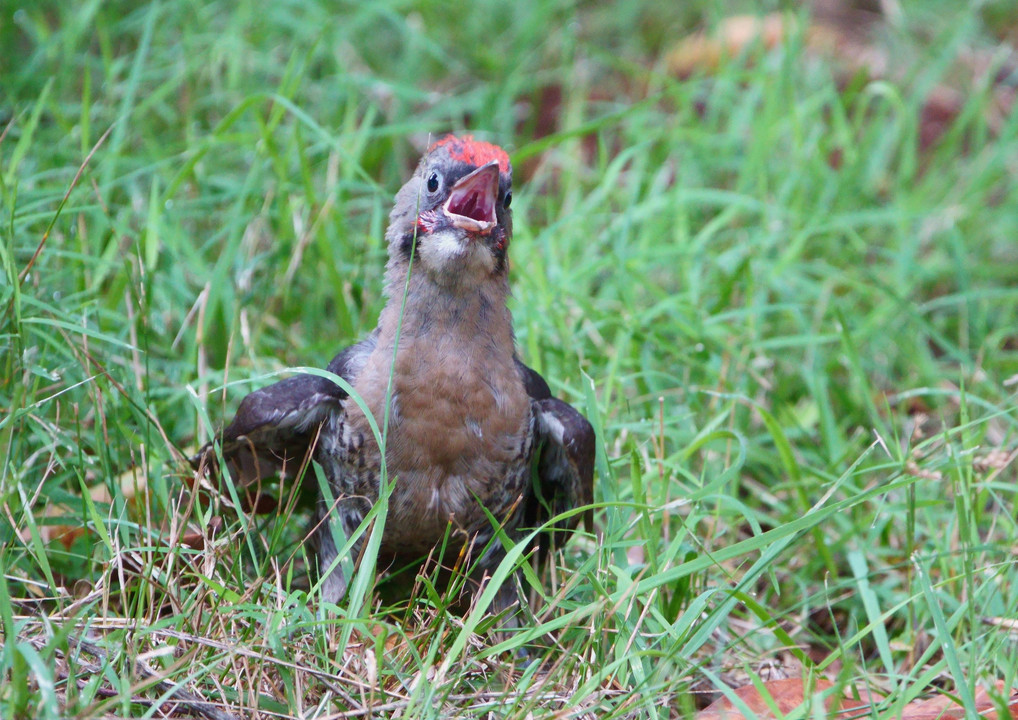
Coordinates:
x,y
472,434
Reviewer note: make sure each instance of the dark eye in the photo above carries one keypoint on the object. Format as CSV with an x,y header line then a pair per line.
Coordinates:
x,y
433,183
508,200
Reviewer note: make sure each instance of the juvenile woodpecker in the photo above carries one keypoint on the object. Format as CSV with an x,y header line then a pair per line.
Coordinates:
x,y
470,427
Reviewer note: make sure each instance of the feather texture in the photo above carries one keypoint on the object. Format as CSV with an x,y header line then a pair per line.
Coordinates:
x,y
472,431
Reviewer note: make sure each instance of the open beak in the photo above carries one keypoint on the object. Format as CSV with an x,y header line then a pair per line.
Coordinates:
x,y
471,204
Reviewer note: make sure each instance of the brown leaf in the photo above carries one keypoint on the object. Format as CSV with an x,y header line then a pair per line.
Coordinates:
x,y
943,707
194,540
259,503
733,35
786,695
132,485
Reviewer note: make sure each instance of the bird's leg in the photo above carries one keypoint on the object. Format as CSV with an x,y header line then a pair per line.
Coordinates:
x,y
508,602
332,525
507,606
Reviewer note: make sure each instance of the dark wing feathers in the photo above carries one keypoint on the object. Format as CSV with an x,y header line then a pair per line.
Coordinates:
x,y
564,469
275,426
566,464
537,386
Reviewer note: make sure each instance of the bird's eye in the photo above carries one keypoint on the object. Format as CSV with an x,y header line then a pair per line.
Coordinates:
x,y
433,183
508,200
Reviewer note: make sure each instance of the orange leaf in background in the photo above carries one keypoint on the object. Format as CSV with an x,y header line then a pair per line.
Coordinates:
x,y
786,695
733,36
942,707
132,484
790,694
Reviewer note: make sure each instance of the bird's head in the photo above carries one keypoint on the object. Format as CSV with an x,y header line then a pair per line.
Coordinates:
x,y
453,215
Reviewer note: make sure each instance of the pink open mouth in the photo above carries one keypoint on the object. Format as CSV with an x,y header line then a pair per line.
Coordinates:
x,y
471,204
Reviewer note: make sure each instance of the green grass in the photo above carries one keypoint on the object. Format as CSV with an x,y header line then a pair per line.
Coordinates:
x,y
803,372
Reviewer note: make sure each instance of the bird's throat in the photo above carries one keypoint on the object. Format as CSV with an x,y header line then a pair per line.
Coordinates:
x,y
435,316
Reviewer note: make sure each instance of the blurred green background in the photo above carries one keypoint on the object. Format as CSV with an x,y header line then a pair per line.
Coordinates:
x,y
773,258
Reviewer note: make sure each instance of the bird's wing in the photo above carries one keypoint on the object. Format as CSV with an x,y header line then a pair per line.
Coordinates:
x,y
563,476
537,386
275,427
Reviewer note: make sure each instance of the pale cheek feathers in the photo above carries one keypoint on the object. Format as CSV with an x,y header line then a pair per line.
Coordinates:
x,y
448,252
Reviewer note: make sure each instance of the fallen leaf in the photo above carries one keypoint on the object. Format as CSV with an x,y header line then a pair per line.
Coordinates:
x,y
733,35
785,695
791,694
944,707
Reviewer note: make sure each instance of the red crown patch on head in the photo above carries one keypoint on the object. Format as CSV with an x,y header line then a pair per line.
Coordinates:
x,y
472,152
